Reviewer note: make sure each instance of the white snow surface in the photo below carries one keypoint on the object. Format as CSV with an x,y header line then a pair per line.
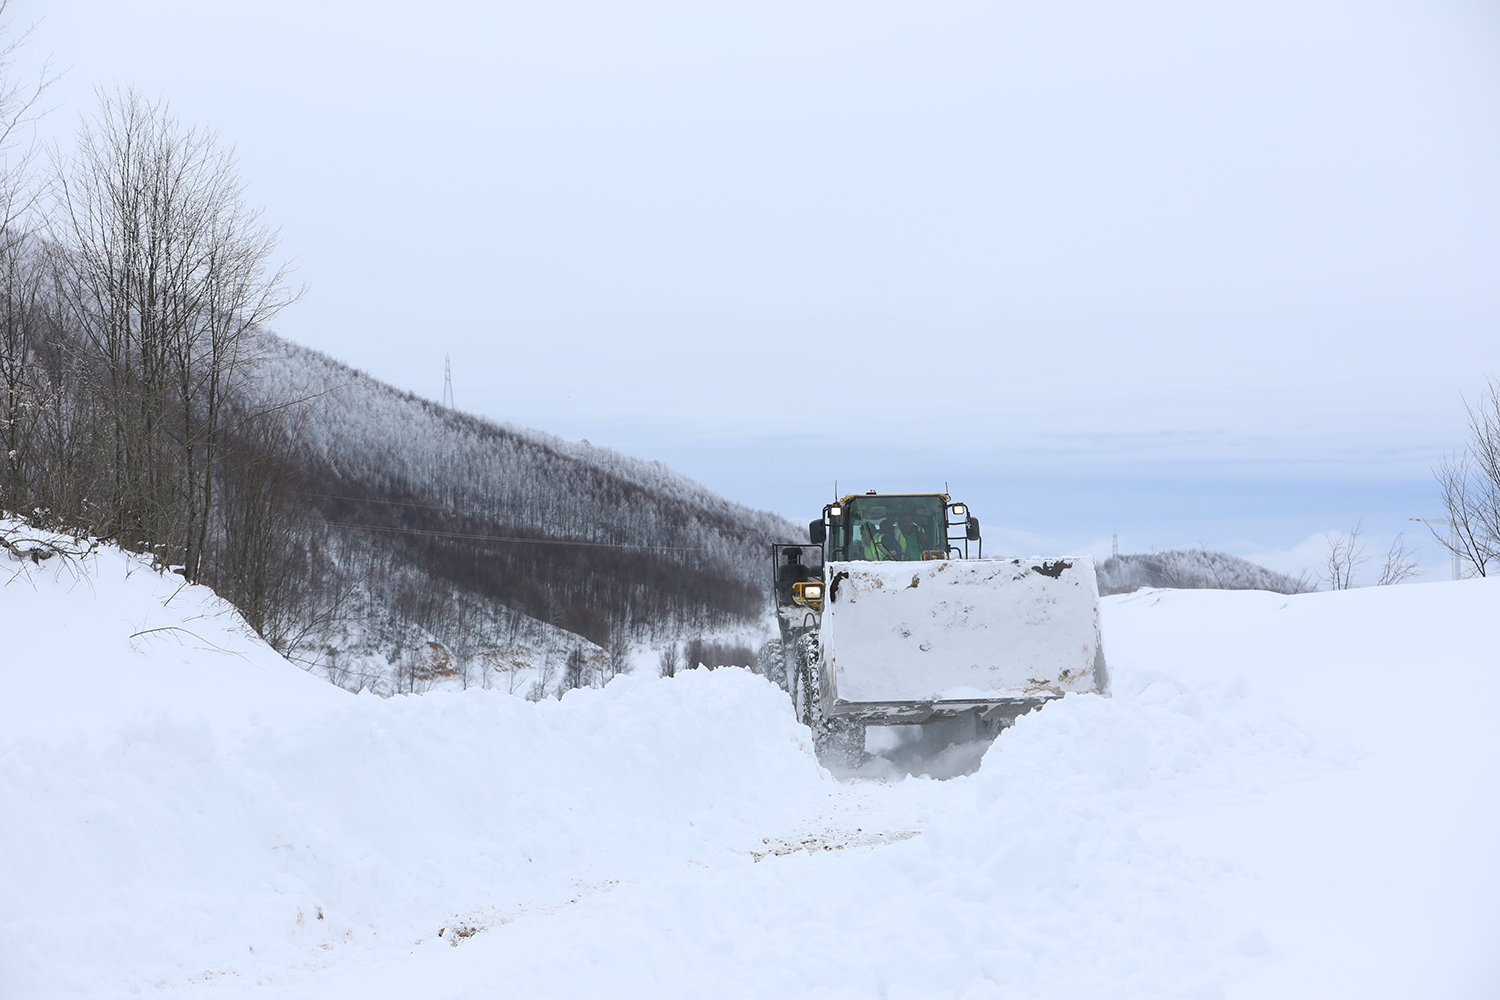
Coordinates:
x,y
955,629
94,641
1285,797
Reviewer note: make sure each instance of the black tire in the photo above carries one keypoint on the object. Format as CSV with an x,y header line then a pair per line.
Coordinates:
x,y
841,740
772,664
805,672
836,740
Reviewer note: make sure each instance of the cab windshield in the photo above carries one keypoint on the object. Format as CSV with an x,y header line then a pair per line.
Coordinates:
x,y
896,528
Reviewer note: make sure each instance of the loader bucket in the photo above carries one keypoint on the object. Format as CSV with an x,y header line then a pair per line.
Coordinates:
x,y
905,642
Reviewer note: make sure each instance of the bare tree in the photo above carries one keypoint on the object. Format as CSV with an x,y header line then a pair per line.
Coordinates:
x,y
1346,553
543,683
1302,583
163,271
24,391
575,672
616,660
667,666
1401,564
1469,485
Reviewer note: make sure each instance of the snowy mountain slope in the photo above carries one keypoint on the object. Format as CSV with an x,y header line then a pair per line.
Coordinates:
x,y
1286,796
445,526
418,440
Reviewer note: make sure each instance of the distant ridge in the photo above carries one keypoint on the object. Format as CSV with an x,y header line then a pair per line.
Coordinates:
x,y
1192,569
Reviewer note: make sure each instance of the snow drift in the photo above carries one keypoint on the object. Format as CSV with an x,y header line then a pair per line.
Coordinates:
x,y
1285,797
222,811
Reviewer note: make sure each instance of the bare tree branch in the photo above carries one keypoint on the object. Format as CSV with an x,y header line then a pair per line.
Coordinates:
x,y
1469,486
1345,554
1401,564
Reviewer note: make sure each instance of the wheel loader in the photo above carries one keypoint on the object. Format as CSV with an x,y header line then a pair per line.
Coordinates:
x,y
891,615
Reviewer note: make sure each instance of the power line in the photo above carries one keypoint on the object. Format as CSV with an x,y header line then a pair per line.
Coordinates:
x,y
458,534
397,503
402,503
447,510
511,538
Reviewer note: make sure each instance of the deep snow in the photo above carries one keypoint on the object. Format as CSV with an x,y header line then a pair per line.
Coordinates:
x,y
1285,796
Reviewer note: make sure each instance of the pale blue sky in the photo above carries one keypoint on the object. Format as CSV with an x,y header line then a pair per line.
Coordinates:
x,y
1196,272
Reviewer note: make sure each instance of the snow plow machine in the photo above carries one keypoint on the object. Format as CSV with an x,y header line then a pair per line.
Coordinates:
x,y
885,619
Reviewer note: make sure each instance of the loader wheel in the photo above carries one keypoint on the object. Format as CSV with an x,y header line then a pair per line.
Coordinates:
x,y
836,740
772,664
805,686
840,741
799,685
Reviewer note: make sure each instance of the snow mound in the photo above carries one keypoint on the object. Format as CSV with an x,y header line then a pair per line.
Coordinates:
x,y
1285,797
95,637
198,805
173,847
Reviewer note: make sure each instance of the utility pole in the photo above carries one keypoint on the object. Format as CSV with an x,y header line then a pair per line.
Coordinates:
x,y
447,382
1117,545
1452,538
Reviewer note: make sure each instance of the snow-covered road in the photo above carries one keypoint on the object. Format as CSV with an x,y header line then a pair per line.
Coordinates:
x,y
1285,797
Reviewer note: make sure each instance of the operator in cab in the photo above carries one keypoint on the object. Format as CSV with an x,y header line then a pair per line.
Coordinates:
x,y
911,539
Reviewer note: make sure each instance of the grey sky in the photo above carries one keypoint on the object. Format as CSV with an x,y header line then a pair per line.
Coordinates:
x,y
1206,272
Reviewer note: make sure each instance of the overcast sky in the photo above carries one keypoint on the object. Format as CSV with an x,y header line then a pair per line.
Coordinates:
x,y
1204,272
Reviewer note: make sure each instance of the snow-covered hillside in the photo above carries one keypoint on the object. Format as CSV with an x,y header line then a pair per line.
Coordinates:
x,y
1193,569
1285,797
420,524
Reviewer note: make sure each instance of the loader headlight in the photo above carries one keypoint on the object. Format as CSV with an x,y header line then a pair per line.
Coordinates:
x,y
959,510
807,594
835,511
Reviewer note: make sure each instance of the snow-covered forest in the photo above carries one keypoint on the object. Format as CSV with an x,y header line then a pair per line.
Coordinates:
x,y
495,539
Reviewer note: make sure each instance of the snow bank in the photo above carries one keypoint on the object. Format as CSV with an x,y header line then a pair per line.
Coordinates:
x,y
1285,797
1262,809
99,638
223,814
1043,876
171,847
1378,878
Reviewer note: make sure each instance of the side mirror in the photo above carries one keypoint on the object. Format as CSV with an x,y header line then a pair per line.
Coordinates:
x,y
972,534
817,532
